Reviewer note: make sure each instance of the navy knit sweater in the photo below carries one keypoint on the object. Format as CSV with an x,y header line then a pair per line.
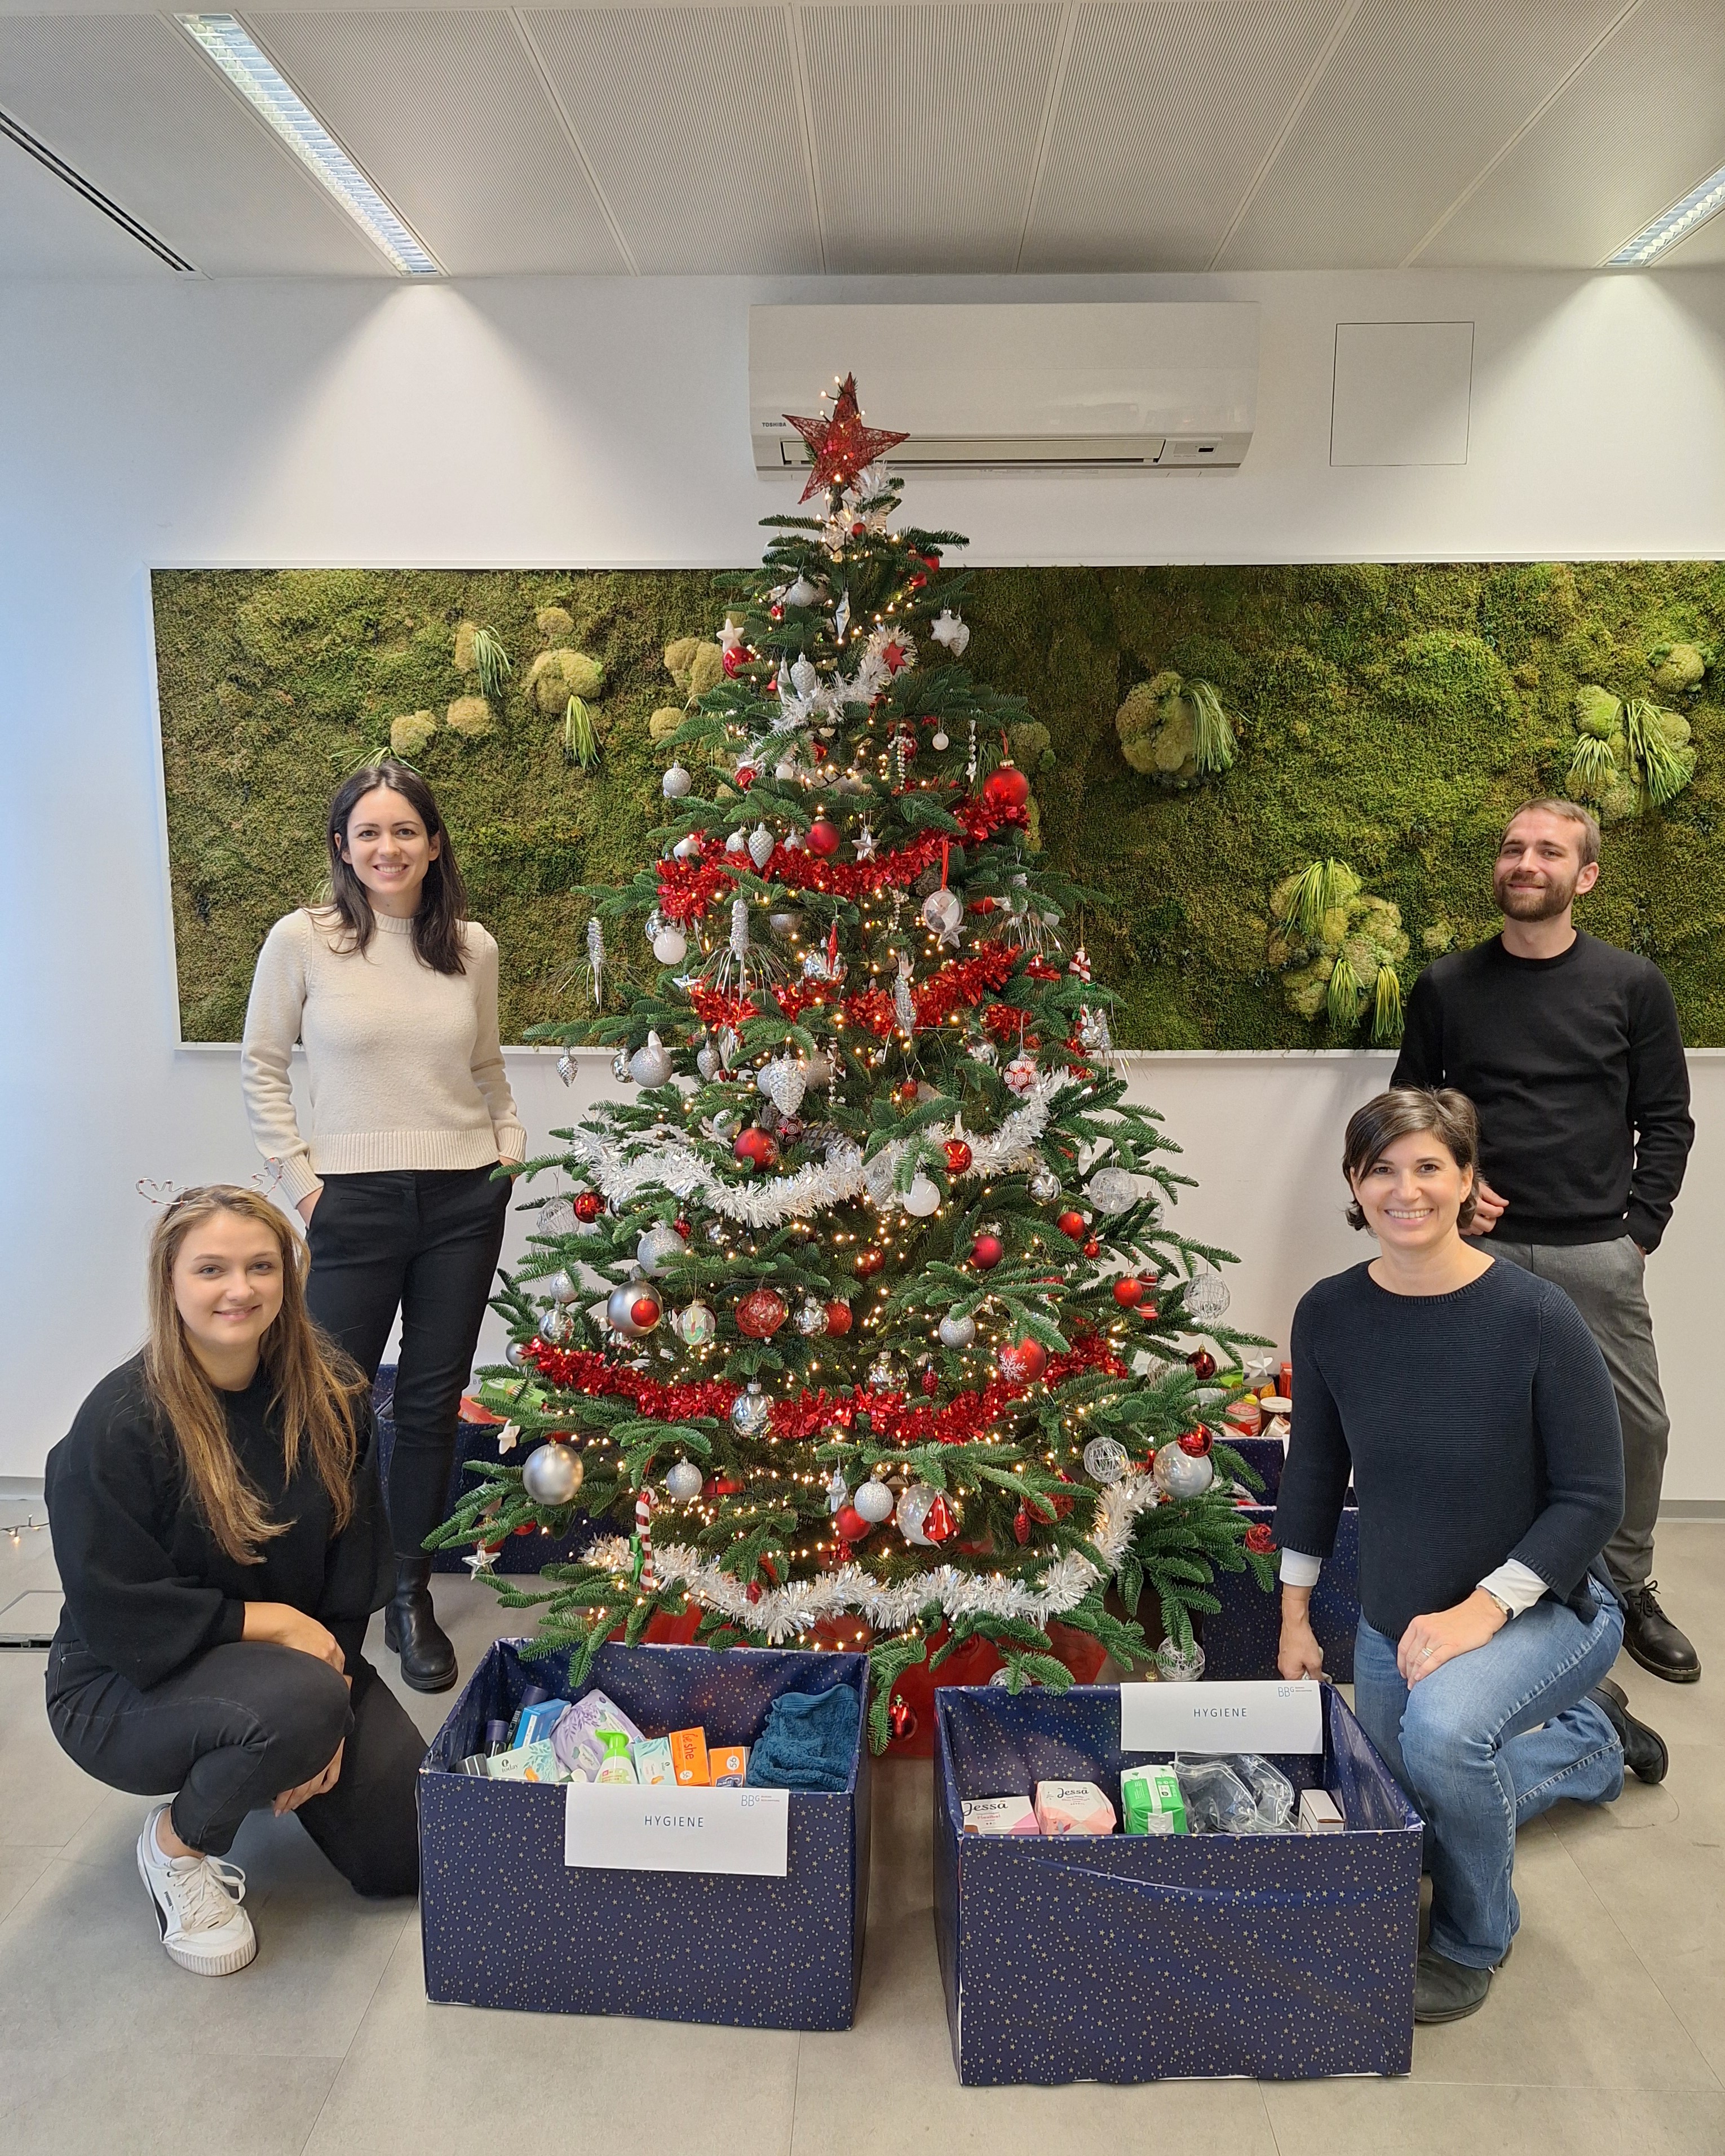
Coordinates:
x,y
1476,1427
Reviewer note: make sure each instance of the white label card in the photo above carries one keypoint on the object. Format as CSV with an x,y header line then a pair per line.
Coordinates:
x,y
612,1828
1223,1716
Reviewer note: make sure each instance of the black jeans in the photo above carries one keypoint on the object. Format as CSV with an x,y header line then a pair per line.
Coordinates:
x,y
426,1241
235,1728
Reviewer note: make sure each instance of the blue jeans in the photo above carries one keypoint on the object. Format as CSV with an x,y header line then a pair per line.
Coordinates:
x,y
1485,1743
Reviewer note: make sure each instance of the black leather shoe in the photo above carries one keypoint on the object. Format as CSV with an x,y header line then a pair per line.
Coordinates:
x,y
1643,1752
1446,1990
411,1629
1653,1641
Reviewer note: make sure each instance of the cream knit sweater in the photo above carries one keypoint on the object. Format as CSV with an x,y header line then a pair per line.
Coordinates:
x,y
403,1067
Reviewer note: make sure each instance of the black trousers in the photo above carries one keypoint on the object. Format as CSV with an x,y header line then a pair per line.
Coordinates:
x,y
235,1728
424,1241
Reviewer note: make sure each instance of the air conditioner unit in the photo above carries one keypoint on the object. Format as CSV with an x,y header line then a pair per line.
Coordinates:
x,y
1152,385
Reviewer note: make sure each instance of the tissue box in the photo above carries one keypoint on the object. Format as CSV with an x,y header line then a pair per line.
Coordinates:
x,y
1302,1946
1240,1638
506,1923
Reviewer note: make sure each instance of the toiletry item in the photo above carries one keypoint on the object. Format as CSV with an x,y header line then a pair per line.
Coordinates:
x,y
728,1765
653,1762
616,1765
532,1696
1271,1790
688,1751
1217,1800
1319,1813
577,1734
1073,1808
527,1762
998,1816
1151,1801
496,1736
536,1721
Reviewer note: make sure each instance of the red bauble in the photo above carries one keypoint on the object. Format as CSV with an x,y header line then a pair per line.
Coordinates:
x,y
938,1521
588,1205
1072,1224
1023,1362
838,1319
982,905
1197,1441
756,1147
1260,1538
1203,1364
823,836
987,1252
737,657
1021,1526
899,1720
931,1381
1091,1248
646,1311
760,1312
868,1264
850,1523
683,1229
958,1156
1008,788
743,776
1128,1292
725,1485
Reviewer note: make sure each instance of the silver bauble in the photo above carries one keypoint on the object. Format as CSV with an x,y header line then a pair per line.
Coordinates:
x,y
660,1247
558,1325
1182,1474
551,1474
874,1501
561,1288
750,1411
922,1198
707,1063
1111,1190
783,1083
515,1354
651,1064
686,849
683,1481
957,1332
812,1318
695,1325
619,1309
619,1064
1045,1185
675,782
1106,1460
1207,1297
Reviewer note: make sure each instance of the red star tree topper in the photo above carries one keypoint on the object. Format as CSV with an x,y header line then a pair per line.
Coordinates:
x,y
842,444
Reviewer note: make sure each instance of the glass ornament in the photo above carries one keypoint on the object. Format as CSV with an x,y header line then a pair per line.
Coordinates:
x,y
696,1325
683,1481
750,1411
1180,1665
1111,1190
1106,1460
912,1510
1207,1297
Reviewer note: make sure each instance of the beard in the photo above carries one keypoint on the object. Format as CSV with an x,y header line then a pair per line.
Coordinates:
x,y
1534,902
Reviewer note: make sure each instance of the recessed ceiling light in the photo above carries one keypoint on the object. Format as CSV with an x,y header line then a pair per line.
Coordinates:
x,y
1669,226
263,86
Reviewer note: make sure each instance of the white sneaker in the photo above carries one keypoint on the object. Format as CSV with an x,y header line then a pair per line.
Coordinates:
x,y
197,1907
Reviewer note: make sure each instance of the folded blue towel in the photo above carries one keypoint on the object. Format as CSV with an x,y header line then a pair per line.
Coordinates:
x,y
808,1742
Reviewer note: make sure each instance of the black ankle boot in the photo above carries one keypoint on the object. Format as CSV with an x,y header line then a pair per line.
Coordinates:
x,y
411,1629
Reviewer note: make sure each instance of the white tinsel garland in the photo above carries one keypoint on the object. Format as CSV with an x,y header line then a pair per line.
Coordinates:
x,y
622,1169
782,1613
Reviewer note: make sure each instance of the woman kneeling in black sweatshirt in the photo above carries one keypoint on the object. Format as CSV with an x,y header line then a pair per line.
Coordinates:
x,y
222,1541
1475,1415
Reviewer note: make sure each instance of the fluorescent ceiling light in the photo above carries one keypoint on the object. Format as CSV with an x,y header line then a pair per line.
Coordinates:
x,y
1671,225
263,86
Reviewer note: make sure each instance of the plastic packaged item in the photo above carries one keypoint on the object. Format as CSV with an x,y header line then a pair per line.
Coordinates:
x,y
1271,1790
577,1731
998,1816
688,1751
616,1765
1217,1800
1151,1801
728,1765
1073,1808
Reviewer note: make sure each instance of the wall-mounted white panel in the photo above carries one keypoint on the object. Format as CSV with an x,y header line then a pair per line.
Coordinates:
x,y
1402,394
127,102
447,115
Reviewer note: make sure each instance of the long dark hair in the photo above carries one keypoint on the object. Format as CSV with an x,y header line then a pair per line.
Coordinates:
x,y
442,896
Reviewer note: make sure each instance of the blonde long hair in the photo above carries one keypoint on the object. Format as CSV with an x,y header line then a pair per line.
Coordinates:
x,y
317,1388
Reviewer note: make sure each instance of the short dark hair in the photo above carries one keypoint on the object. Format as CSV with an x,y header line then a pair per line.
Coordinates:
x,y
1571,812
1372,1129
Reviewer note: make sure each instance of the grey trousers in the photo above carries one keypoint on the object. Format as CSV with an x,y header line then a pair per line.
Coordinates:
x,y
1604,1282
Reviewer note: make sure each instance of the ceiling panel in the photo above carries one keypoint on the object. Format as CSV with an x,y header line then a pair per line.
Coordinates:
x,y
1166,111
928,121
447,115
47,229
128,102
1641,123
689,117
1419,97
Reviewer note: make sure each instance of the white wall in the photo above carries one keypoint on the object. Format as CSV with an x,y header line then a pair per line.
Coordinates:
x,y
603,423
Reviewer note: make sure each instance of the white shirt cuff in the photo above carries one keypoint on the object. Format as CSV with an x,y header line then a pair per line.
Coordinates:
x,y
1517,1586
1300,1570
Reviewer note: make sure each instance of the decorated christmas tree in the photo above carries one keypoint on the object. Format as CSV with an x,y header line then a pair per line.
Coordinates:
x,y
860,1319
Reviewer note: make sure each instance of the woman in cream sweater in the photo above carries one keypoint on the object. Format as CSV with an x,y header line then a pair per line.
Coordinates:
x,y
407,1115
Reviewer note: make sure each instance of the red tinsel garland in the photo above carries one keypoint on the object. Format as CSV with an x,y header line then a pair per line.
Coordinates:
x,y
963,1419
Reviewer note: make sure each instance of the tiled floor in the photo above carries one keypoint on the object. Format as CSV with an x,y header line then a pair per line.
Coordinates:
x,y
1606,2035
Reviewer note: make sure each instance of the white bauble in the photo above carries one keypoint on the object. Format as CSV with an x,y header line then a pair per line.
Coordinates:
x,y
1183,1474
737,842
874,1501
784,1082
686,849
1111,1190
670,946
651,1064
561,1288
922,1198
957,1332
760,845
551,1474
683,1481
660,1247
675,782
707,1063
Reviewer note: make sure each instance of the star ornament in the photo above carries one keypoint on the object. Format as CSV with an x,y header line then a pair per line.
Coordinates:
x,y
841,445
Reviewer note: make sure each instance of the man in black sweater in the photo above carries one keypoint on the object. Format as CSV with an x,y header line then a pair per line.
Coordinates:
x,y
1570,1050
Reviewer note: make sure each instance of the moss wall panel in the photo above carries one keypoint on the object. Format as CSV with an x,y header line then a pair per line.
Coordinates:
x,y
1388,716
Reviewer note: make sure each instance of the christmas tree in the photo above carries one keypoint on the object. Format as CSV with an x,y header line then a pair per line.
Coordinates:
x,y
862,1321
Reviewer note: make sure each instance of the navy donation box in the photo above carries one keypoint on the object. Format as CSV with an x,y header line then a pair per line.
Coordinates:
x,y
1136,1957
774,1940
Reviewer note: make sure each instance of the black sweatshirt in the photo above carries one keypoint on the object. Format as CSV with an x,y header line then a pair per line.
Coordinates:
x,y
147,1587
1576,1067
1477,1426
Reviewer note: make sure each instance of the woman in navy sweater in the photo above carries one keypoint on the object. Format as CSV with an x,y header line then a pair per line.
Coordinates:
x,y
1468,1404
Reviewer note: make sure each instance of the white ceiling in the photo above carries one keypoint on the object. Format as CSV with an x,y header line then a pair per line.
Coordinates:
x,y
880,135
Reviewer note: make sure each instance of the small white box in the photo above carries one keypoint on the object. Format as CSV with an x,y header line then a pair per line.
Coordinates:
x,y
999,1816
1318,1813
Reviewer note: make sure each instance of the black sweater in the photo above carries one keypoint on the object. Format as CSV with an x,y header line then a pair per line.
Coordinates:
x,y
1477,1426
1576,1067
146,1585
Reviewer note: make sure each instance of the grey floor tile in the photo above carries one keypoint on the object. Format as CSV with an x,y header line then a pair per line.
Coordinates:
x,y
1423,2118
19,1870
60,2103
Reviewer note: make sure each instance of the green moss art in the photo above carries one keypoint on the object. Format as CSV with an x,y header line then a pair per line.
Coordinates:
x,y
1384,721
